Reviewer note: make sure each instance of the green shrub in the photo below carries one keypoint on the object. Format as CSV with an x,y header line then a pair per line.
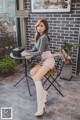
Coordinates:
x,y
7,66
2,53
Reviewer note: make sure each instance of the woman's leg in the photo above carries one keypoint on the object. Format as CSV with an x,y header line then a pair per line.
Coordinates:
x,y
41,71
41,93
34,70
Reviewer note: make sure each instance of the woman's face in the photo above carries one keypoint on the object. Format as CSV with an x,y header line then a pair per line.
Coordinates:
x,y
41,28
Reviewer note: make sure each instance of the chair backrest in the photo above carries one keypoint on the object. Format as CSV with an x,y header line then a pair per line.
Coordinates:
x,y
59,64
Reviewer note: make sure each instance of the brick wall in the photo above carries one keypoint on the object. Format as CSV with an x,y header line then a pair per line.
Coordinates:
x,y
62,27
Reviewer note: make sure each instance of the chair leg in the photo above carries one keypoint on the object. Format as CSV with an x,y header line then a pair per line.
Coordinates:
x,y
54,87
56,81
52,81
45,80
52,78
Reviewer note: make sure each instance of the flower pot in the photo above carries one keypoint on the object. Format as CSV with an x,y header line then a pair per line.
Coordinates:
x,y
66,72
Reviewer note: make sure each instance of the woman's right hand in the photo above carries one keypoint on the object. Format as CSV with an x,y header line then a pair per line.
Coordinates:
x,y
25,53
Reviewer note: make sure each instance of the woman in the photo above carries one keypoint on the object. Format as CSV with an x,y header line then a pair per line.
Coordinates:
x,y
47,63
41,38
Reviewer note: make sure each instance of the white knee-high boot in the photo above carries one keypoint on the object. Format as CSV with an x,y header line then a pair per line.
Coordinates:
x,y
45,94
40,96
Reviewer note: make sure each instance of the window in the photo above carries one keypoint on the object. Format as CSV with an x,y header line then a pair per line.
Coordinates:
x,y
7,24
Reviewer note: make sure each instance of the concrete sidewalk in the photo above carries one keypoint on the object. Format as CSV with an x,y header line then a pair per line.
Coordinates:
x,y
24,106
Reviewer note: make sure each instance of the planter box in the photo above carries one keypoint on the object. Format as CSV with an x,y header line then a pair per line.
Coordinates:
x,y
66,72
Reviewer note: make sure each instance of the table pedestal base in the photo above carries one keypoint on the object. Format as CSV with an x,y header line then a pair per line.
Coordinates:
x,y
27,83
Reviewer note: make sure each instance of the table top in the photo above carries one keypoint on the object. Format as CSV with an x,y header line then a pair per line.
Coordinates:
x,y
20,58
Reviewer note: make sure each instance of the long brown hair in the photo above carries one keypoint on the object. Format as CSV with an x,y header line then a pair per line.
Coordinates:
x,y
44,21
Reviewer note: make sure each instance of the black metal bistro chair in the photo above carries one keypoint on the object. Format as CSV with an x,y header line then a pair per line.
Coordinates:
x,y
54,74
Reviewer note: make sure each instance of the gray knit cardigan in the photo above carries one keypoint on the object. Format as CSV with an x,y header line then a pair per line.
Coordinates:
x,y
40,46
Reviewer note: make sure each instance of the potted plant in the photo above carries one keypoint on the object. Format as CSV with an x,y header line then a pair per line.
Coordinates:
x,y
66,51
